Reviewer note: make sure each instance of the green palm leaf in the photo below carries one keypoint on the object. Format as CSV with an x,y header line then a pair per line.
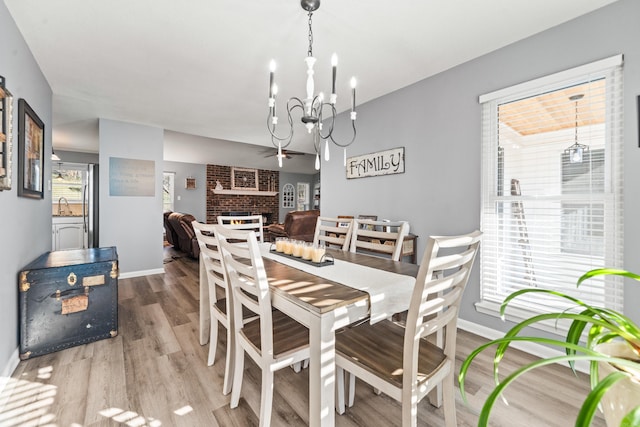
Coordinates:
x,y
601,325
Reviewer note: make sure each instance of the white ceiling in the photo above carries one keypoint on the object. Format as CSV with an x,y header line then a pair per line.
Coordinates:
x,y
200,67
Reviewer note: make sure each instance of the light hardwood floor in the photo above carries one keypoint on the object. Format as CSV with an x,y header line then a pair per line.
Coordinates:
x,y
154,373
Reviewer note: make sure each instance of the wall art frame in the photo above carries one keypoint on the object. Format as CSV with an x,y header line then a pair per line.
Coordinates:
x,y
387,162
190,183
6,136
244,179
30,152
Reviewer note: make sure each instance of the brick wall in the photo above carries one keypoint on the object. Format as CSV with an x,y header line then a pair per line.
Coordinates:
x,y
257,205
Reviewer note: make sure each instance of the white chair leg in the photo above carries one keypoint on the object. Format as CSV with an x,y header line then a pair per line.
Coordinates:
x,y
352,389
266,401
339,390
296,367
228,368
449,400
213,340
205,320
435,396
305,363
238,370
410,412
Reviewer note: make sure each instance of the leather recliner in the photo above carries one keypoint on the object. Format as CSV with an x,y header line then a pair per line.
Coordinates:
x,y
299,225
169,233
185,237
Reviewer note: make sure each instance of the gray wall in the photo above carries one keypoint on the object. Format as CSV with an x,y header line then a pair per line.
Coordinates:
x,y
189,201
25,224
438,121
133,224
295,178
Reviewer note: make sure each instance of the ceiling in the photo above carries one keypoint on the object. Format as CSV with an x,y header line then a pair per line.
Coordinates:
x,y
556,110
201,67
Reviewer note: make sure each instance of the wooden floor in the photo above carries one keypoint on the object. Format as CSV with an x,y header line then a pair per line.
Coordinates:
x,y
154,373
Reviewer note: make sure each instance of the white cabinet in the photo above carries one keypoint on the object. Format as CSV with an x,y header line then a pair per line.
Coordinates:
x,y
68,233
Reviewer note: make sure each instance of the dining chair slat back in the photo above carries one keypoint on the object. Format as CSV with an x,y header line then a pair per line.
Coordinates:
x,y
274,340
333,232
246,222
379,237
220,310
400,361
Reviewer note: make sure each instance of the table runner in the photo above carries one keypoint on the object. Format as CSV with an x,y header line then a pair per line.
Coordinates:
x,y
389,292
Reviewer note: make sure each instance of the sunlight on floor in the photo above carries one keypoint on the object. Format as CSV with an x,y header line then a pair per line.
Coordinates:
x,y
29,404
183,411
129,418
26,403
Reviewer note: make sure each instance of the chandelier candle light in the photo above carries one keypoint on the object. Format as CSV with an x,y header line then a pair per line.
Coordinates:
x,y
312,106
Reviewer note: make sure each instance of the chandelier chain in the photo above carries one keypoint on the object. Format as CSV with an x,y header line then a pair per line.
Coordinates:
x,y
576,127
310,51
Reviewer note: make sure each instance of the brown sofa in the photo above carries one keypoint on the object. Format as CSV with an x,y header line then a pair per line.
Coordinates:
x,y
180,234
299,225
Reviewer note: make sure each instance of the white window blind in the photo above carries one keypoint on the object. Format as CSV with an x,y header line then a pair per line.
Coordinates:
x,y
551,212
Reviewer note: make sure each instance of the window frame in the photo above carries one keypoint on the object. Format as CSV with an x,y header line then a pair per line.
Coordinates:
x,y
608,68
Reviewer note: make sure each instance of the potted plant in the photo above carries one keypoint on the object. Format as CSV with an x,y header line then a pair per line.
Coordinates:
x,y
606,330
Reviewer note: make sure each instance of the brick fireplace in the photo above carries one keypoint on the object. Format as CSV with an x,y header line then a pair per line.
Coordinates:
x,y
253,204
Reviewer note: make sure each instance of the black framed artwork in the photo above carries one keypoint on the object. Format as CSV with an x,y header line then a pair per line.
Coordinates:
x,y
30,152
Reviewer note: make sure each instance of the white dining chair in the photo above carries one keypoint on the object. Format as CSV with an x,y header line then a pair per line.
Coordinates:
x,y
220,309
400,361
273,341
384,237
246,222
333,231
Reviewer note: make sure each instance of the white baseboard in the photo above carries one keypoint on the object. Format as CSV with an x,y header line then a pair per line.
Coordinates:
x,y
5,376
141,273
534,349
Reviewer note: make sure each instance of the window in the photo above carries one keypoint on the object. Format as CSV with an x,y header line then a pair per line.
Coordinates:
x,y
552,187
67,182
168,190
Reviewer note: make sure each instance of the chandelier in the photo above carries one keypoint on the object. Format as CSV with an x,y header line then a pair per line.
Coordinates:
x,y
314,109
576,151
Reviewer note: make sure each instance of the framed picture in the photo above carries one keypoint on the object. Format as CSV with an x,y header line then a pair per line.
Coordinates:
x,y
30,152
6,135
190,184
244,179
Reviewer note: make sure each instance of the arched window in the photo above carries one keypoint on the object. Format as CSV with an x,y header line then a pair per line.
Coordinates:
x,y
288,196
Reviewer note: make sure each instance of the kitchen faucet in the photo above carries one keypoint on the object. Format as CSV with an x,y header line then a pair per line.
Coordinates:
x,y
66,202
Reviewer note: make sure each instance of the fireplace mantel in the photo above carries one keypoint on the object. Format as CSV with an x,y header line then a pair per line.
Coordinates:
x,y
245,192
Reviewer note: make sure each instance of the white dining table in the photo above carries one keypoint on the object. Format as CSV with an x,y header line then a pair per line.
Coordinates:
x,y
322,305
